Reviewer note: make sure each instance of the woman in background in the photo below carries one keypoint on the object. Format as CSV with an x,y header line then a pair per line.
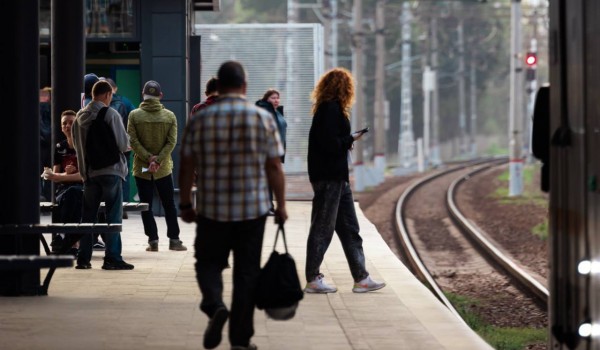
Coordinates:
x,y
270,102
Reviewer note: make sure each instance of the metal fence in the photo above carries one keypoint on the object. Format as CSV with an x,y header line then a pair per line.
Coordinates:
x,y
287,57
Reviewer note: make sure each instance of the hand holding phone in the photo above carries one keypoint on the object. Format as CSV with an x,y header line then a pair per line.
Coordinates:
x,y
359,133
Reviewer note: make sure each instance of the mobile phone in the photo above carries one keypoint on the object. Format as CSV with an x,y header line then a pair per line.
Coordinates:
x,y
363,130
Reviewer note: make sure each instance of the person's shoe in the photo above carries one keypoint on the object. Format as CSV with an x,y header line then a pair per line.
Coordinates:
x,y
83,266
241,347
111,264
99,246
56,243
212,335
152,246
318,285
175,244
367,285
125,216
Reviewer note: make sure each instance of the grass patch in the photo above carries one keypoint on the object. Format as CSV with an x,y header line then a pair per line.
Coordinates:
x,y
500,338
541,230
530,194
495,150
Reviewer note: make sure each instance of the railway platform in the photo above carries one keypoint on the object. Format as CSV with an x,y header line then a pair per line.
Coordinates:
x,y
155,306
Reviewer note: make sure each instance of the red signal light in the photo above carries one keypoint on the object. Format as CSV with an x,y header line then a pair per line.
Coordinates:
x,y
531,59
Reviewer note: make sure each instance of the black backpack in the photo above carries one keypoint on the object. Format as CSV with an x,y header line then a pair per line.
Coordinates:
x,y
101,148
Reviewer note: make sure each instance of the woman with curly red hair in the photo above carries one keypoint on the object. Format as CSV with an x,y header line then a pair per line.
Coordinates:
x,y
329,142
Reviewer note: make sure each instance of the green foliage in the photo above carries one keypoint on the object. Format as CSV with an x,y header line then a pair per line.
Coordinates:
x,y
486,38
541,230
501,338
496,150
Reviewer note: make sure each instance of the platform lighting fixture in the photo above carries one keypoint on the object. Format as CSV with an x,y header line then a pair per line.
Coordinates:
x,y
588,329
585,330
586,267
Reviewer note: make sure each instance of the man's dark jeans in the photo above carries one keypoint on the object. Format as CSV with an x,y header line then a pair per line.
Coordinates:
x,y
214,241
107,189
164,187
333,209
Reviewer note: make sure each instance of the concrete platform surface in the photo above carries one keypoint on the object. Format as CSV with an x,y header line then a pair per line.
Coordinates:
x,y
155,306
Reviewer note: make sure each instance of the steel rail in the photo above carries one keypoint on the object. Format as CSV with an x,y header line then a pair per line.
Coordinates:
x,y
480,239
403,237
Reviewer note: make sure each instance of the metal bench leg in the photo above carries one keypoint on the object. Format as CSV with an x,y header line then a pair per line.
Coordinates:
x,y
45,244
44,287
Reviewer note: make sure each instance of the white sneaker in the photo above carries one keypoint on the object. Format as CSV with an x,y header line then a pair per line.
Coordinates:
x,y
318,285
367,285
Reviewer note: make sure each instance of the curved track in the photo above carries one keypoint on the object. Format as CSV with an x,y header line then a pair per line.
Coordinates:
x,y
404,238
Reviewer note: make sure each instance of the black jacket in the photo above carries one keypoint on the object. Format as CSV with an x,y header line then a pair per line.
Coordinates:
x,y
329,140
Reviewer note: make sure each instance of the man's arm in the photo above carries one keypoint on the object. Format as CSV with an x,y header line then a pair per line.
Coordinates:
x,y
170,142
186,181
277,182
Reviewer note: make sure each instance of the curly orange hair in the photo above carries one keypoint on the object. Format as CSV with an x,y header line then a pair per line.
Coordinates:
x,y
336,84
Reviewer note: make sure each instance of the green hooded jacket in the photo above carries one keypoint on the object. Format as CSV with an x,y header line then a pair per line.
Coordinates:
x,y
152,131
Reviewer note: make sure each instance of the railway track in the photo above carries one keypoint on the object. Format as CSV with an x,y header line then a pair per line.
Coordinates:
x,y
457,225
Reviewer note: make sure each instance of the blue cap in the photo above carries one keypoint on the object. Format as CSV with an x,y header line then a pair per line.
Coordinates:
x,y
88,82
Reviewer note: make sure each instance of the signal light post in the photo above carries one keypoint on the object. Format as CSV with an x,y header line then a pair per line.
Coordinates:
x,y
531,89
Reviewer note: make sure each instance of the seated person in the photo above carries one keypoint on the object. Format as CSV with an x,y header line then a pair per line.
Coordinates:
x,y
65,173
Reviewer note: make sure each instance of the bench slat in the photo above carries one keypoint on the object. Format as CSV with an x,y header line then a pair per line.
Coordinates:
x,y
46,207
85,228
26,262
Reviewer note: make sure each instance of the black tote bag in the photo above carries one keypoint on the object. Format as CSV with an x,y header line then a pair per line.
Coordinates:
x,y
279,290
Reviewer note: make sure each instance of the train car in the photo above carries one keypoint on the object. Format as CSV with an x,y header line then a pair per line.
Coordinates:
x,y
574,166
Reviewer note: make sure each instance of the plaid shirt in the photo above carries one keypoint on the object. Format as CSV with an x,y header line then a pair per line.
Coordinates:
x,y
230,142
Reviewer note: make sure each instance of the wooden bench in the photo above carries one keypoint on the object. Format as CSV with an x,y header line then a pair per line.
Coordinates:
x,y
51,260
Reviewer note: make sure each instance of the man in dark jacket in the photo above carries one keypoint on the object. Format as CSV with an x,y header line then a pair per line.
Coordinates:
x,y
122,105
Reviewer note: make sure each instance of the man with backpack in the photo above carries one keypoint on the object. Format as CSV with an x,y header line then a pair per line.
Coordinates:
x,y
100,139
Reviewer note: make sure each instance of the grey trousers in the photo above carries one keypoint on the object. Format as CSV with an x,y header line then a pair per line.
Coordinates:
x,y
333,209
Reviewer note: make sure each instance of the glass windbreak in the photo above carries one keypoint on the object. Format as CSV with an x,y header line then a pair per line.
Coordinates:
x,y
104,19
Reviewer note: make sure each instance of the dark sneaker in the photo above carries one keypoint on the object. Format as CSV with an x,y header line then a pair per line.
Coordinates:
x,y
241,347
212,335
56,243
175,244
152,246
99,246
83,266
110,264
125,216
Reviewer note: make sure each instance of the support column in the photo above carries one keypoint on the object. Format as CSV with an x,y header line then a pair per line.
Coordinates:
x,y
68,60
19,137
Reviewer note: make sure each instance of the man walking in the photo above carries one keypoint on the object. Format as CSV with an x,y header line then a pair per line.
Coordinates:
x,y
101,183
153,134
235,149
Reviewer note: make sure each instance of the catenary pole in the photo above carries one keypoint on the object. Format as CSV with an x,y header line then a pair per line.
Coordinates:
x,y
380,130
358,110
516,103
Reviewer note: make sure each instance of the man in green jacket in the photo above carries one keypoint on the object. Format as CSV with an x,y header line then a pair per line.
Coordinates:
x,y
152,131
